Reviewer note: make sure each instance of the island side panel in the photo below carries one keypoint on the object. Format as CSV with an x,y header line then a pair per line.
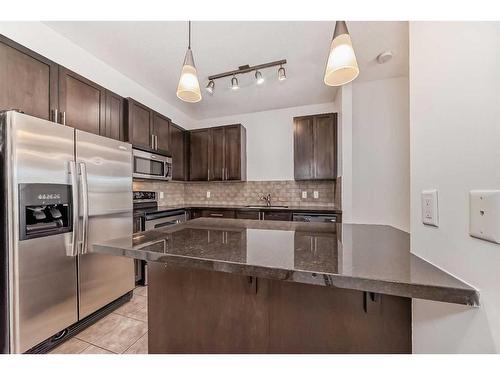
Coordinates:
x,y
200,311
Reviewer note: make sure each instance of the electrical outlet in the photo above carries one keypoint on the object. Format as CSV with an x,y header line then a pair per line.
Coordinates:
x,y
304,194
208,194
430,207
316,194
161,194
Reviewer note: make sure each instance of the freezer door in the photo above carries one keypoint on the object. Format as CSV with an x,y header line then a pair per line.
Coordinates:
x,y
106,207
42,271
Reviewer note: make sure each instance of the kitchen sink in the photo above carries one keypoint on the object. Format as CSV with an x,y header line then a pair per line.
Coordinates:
x,y
264,206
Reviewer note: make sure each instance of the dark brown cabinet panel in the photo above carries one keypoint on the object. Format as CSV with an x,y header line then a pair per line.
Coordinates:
x,y
114,116
248,215
234,158
28,81
161,132
199,151
227,214
139,124
178,145
217,154
81,102
279,216
315,147
225,149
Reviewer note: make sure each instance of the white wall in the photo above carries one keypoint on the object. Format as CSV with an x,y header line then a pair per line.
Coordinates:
x,y
344,102
269,139
455,138
381,153
45,41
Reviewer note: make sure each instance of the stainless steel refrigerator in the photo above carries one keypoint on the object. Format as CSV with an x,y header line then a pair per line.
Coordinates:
x,y
62,190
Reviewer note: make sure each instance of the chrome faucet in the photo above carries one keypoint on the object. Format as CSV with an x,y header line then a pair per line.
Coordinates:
x,y
266,198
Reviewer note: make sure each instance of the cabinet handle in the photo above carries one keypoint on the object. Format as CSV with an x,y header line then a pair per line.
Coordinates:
x,y
152,141
217,215
208,176
263,216
63,118
156,142
55,115
222,173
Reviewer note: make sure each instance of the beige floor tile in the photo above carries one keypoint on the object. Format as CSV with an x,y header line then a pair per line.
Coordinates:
x,y
141,290
114,332
96,350
136,308
139,347
72,346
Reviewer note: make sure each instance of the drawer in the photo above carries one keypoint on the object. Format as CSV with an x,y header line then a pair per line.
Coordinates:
x,y
281,216
249,215
226,214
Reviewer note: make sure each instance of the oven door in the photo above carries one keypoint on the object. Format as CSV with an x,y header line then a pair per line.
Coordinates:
x,y
151,166
165,221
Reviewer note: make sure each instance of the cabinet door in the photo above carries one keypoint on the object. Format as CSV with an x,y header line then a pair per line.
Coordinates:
x,y
177,145
248,215
198,164
325,146
217,154
227,214
81,102
28,80
140,120
114,116
303,148
278,216
232,152
161,129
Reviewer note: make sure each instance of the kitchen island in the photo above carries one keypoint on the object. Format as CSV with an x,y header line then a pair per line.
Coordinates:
x,y
244,286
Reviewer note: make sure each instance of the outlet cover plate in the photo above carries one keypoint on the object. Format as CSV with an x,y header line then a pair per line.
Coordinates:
x,y
484,207
430,214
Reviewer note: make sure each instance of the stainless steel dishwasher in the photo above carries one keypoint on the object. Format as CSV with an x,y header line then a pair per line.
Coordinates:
x,y
314,217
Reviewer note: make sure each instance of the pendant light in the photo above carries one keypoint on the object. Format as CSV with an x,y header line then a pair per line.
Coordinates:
x,y
188,89
342,66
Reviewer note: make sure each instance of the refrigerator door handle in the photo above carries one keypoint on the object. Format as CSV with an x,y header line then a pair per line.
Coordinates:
x,y
85,204
74,198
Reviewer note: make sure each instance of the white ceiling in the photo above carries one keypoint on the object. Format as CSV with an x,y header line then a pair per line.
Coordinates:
x,y
151,53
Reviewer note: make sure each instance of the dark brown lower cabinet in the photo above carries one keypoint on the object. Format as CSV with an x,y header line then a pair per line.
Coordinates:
x,y
249,215
273,215
200,311
227,214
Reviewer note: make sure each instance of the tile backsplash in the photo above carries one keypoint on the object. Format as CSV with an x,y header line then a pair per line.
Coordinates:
x,y
240,193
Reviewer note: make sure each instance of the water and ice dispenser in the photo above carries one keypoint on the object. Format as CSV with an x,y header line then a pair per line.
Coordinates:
x,y
44,210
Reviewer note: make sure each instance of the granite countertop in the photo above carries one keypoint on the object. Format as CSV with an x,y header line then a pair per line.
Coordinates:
x,y
326,209
372,258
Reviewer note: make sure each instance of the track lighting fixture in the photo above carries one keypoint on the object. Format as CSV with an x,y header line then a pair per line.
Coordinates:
x,y
211,86
234,83
188,89
281,73
341,67
259,78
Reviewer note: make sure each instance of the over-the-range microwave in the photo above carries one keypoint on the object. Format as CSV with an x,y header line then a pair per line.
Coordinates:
x,y
151,166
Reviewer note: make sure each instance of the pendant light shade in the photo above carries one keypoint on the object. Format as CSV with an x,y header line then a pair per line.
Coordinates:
x,y
341,67
188,89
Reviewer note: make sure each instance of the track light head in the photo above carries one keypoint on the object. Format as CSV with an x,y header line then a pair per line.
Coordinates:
x,y
234,83
210,86
259,77
281,73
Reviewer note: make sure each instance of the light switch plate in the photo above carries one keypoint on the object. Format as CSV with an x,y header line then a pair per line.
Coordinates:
x,y
208,194
484,206
304,194
430,207
316,194
161,194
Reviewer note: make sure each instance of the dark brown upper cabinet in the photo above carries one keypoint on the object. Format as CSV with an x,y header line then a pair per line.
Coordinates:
x,y
179,148
218,153
114,116
40,87
81,102
28,81
161,132
315,147
147,129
